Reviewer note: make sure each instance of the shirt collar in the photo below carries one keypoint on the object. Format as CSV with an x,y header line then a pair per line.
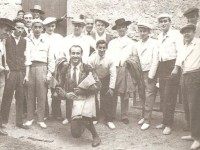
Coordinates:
x,y
15,37
77,67
102,36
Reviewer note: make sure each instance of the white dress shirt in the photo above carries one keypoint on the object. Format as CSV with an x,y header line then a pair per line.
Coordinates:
x,y
103,66
120,49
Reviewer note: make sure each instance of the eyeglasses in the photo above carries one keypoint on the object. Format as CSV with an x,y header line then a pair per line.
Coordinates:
x,y
40,27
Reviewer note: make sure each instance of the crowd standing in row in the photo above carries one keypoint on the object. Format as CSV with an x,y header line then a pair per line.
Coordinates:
x,y
89,64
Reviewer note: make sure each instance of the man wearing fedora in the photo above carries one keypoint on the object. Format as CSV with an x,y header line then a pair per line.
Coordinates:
x,y
146,48
77,38
37,12
168,47
100,34
55,41
120,49
6,26
188,59
192,15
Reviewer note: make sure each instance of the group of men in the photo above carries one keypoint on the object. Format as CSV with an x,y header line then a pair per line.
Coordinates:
x,y
90,66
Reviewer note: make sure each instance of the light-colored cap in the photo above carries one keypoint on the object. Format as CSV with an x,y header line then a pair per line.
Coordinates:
x,y
144,25
37,21
49,20
164,15
78,21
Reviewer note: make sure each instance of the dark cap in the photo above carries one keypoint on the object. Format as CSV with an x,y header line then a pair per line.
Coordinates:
x,y
7,22
188,26
191,10
120,22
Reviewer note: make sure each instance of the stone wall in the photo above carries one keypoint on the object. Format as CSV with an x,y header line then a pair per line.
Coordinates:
x,y
9,8
134,10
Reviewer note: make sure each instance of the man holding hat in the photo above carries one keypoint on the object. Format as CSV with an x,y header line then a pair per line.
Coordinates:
x,y
84,41
37,12
146,48
192,15
120,49
55,41
40,65
6,26
168,47
188,59
100,34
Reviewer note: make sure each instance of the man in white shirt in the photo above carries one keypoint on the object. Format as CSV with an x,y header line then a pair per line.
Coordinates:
x,y
188,59
78,38
106,72
168,47
146,49
120,49
55,41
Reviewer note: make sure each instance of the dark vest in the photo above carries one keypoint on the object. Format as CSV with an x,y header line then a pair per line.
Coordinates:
x,y
15,54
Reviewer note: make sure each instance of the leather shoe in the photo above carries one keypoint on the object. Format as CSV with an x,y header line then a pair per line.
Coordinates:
x,y
195,145
96,141
2,132
22,126
125,121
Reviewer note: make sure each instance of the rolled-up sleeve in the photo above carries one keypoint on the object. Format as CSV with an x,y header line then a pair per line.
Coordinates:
x,y
28,53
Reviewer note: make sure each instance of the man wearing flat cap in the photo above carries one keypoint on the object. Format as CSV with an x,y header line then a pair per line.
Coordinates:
x,y
6,26
84,41
147,48
168,47
37,12
192,15
40,65
55,41
188,59
100,34
120,49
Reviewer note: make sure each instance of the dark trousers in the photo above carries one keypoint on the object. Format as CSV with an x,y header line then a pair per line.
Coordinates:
x,y
55,105
190,85
78,126
169,86
13,83
106,100
69,105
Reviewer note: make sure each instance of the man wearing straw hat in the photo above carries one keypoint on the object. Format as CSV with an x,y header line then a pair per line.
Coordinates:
x,y
37,12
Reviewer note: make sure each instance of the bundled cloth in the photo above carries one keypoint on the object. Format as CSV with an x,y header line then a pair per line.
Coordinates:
x,y
84,105
129,76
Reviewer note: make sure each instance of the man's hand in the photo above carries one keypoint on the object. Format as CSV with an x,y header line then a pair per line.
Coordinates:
x,y
61,92
71,96
25,80
110,91
48,79
79,91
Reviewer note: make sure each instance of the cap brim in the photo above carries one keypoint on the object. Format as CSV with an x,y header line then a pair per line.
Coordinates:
x,y
105,22
40,11
10,26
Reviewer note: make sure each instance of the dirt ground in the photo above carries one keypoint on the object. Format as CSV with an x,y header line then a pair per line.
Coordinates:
x,y
124,137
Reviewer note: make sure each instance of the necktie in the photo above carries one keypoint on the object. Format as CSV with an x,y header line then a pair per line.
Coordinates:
x,y
88,33
74,76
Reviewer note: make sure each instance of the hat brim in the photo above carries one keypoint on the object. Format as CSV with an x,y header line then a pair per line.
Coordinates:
x,y
182,31
40,11
7,24
126,22
105,22
50,23
144,27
